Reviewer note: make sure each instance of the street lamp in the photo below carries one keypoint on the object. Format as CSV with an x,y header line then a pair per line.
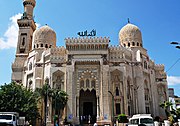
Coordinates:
x,y
112,106
177,44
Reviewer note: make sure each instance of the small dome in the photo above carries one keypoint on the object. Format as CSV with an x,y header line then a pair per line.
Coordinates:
x,y
130,36
44,37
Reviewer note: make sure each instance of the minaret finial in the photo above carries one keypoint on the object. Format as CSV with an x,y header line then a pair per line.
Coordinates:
x,y
128,20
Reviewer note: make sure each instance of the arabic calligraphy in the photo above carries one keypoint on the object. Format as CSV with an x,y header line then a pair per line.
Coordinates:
x,y
86,33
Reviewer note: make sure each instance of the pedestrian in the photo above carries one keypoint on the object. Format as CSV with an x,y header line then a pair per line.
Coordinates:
x,y
56,124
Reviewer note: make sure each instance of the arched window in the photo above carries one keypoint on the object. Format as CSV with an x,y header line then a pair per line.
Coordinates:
x,y
133,43
137,44
93,83
37,45
46,46
117,91
81,83
30,84
23,42
124,45
145,64
128,44
146,91
30,66
41,45
87,83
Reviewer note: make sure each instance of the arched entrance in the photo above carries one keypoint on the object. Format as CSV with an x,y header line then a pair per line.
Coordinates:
x,y
88,106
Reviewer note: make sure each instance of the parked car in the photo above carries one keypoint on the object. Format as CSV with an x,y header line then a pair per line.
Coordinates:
x,y
141,119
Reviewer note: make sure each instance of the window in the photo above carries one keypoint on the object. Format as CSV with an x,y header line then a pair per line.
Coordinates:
x,y
118,109
137,44
93,83
23,42
133,43
87,83
117,91
30,66
128,44
134,121
147,109
81,84
41,45
30,84
146,120
14,118
129,110
145,64
46,46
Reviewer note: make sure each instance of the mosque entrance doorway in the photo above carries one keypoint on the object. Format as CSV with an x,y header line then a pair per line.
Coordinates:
x,y
88,106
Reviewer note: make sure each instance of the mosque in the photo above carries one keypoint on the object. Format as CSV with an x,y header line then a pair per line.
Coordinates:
x,y
102,81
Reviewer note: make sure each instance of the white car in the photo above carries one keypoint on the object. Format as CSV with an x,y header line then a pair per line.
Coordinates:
x,y
141,119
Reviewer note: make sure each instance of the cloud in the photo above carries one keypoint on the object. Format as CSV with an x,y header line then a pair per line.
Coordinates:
x,y
173,80
10,37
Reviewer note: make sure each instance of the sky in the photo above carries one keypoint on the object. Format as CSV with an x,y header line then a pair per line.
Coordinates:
x,y
158,20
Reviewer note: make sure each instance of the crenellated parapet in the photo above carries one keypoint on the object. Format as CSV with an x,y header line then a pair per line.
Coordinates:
x,y
87,43
58,55
117,53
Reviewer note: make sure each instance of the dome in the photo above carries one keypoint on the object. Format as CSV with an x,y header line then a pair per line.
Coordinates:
x,y
44,37
130,36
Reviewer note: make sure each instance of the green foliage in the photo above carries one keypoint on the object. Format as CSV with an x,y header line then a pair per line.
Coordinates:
x,y
122,118
60,99
166,105
15,98
172,115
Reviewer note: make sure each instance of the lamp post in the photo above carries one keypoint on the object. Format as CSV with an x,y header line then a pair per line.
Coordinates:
x,y
112,106
177,44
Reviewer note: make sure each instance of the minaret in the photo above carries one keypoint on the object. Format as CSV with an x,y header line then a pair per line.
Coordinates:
x,y
24,45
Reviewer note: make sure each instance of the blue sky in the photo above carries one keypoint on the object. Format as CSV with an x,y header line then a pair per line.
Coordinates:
x,y
159,21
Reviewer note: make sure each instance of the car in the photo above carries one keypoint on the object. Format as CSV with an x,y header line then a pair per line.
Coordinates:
x,y
141,120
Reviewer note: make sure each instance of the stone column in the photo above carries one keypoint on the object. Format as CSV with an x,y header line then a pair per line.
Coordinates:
x,y
98,115
77,107
70,110
105,88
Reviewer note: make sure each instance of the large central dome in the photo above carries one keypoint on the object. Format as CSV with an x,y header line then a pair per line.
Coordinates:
x,y
44,37
130,36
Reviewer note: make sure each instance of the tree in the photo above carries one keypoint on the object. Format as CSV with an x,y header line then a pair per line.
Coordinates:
x,y
16,98
166,105
45,93
60,99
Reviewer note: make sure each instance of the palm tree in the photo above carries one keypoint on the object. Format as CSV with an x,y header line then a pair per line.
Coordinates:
x,y
166,105
45,93
60,99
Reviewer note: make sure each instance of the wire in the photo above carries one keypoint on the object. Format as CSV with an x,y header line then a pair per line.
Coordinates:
x,y
173,65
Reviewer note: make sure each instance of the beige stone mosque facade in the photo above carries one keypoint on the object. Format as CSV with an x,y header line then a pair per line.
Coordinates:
x,y
102,81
